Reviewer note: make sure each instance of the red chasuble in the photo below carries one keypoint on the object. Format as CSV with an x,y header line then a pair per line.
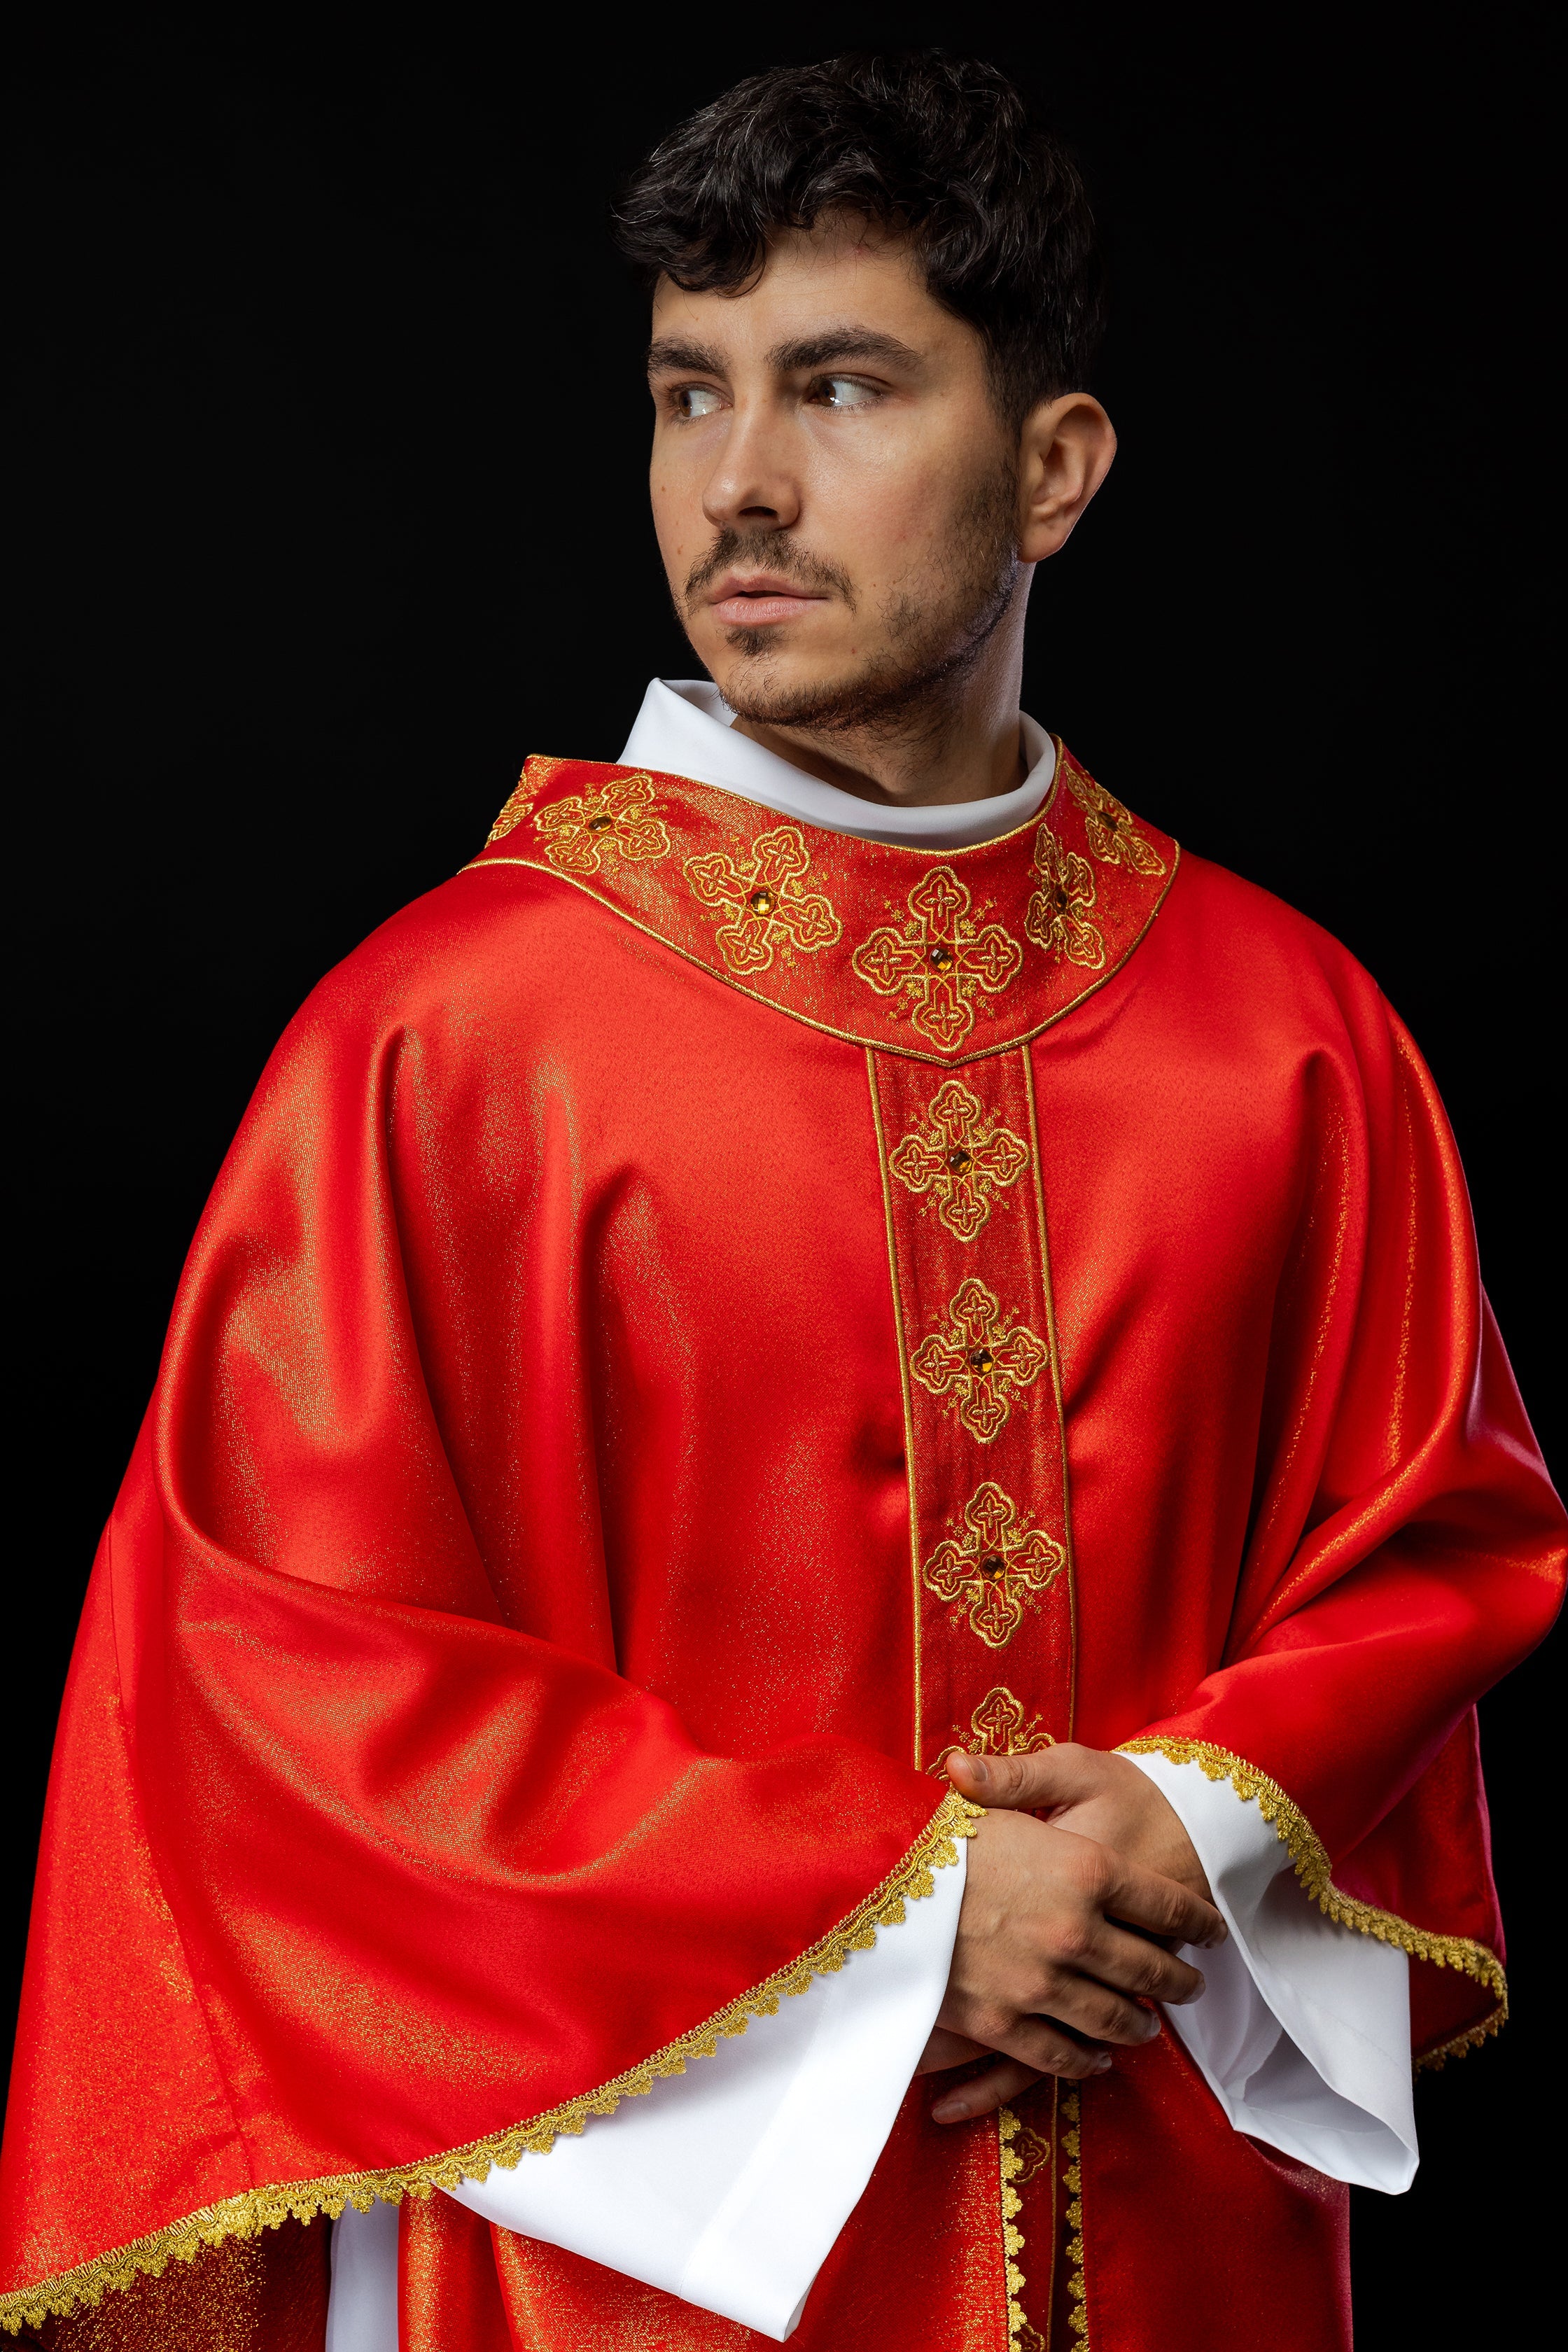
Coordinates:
x,y
703,1316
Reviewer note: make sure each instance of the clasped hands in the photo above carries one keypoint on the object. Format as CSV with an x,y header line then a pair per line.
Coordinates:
x,y
1068,1923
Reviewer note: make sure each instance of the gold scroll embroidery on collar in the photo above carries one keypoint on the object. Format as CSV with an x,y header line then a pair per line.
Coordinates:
x,y
1059,913
1114,836
536,774
941,966
578,833
763,900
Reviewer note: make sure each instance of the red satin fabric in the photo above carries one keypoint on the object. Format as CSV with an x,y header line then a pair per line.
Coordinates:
x,y
501,1654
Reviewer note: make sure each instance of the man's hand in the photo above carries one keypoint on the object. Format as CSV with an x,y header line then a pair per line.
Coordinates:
x,y
1096,1795
1063,1927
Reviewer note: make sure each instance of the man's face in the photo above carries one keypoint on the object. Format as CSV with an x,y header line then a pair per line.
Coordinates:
x,y
834,493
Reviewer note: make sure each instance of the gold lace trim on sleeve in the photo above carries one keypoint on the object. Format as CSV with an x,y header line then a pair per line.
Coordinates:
x,y
268,2208
1314,1868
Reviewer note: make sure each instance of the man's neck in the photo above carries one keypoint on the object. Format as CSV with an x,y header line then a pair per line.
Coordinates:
x,y
874,770
959,740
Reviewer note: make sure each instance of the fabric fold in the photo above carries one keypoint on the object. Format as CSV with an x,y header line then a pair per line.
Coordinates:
x,y
1302,2030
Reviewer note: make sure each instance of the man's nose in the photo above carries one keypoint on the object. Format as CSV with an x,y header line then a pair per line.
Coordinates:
x,y
752,486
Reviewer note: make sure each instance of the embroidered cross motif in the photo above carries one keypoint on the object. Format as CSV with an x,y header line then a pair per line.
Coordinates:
x,y
979,1362
959,1158
940,964
1058,912
1033,2154
1000,1563
536,774
999,1728
1112,834
578,831
762,897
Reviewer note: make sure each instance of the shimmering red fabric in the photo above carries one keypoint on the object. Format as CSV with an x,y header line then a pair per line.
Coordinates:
x,y
502,1653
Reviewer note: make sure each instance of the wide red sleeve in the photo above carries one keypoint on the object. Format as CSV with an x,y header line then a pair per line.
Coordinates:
x,y
1404,1549
346,1868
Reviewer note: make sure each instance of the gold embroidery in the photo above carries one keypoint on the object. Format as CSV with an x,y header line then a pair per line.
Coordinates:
x,y
1459,2045
1315,1871
961,1158
578,831
1055,1349
911,1494
982,1362
1001,1561
1113,834
536,774
1033,2154
1072,2141
1007,2128
1000,1729
497,865
941,965
1058,912
246,2216
762,898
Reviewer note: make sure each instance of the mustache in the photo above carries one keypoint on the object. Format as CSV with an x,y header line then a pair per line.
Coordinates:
x,y
770,551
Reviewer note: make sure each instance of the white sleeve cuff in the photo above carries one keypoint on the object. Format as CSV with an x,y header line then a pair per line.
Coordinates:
x,y
728,2184
1303,2031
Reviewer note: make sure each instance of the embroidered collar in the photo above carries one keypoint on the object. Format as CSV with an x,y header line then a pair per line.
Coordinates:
x,y
942,955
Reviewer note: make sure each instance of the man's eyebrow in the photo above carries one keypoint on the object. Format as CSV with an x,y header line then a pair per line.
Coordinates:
x,y
671,352
848,342
697,359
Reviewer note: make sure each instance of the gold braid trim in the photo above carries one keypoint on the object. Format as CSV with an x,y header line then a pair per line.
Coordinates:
x,y
1314,1870
247,2215
1012,2236
1459,2045
1077,2298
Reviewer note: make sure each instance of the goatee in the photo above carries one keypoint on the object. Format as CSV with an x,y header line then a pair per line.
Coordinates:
x,y
935,634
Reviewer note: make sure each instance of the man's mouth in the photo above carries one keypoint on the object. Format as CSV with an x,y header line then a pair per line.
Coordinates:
x,y
756,600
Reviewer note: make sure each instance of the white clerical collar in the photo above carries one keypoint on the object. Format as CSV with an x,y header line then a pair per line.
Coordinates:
x,y
685,727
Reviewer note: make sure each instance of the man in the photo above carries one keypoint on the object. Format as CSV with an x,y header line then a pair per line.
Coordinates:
x,y
834,1418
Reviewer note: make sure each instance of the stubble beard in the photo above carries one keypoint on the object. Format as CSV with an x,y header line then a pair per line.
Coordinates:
x,y
934,630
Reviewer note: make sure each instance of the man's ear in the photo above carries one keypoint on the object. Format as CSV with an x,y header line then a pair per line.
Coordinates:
x,y
1065,453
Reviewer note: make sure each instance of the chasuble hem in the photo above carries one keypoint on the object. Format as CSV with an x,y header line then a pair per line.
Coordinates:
x,y
1311,1861
267,2207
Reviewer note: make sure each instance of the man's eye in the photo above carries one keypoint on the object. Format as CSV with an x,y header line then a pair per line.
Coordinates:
x,y
695,400
844,392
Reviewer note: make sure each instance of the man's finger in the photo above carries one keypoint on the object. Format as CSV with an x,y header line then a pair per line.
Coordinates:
x,y
944,2050
983,2094
1147,1899
1063,1775
1051,2047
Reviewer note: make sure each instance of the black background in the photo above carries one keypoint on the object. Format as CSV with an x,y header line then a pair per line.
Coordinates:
x,y
329,494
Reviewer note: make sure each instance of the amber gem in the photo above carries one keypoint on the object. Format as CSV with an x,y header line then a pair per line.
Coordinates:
x,y
939,956
761,902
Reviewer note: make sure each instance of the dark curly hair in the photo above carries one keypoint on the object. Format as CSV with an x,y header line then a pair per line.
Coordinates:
x,y
941,149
